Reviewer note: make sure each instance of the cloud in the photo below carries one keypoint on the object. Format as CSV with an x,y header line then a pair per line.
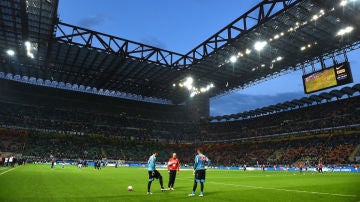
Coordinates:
x,y
153,41
237,102
93,21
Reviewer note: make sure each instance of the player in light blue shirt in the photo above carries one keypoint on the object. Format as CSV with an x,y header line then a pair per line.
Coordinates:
x,y
199,171
200,161
151,162
153,173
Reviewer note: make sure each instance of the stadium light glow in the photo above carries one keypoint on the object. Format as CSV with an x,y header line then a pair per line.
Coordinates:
x,y
10,52
28,50
259,45
247,51
303,48
27,45
343,3
233,59
31,55
279,58
188,83
344,31
315,17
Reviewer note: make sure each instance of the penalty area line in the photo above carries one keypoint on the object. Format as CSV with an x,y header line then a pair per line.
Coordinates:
x,y
7,171
288,190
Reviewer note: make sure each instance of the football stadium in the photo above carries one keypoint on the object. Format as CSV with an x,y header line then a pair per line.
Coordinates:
x,y
89,115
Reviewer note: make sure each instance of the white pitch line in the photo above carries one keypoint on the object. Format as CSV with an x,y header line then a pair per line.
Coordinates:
x,y
288,190
7,171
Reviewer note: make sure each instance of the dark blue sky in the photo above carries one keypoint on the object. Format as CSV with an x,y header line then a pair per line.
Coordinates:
x,y
180,25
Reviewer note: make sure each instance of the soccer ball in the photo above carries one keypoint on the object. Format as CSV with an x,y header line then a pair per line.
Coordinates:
x,y
130,188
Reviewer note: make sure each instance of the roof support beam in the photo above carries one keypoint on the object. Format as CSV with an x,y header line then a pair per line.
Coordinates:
x,y
74,35
253,18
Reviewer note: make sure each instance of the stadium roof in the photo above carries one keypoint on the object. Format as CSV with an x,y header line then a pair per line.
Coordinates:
x,y
293,33
288,105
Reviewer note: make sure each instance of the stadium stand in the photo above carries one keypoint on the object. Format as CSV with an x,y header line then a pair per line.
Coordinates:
x,y
44,125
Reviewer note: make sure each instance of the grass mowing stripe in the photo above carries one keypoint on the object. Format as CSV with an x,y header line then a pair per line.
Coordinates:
x,y
7,171
288,190
277,189
36,183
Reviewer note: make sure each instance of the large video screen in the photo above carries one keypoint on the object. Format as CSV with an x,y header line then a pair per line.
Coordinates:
x,y
336,75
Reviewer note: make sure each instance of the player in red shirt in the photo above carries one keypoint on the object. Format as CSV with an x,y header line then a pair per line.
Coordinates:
x,y
320,167
173,168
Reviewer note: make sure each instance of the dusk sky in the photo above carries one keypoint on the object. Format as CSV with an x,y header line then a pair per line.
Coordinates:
x,y
180,25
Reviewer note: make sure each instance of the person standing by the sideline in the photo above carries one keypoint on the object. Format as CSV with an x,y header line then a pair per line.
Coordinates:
x,y
199,171
173,168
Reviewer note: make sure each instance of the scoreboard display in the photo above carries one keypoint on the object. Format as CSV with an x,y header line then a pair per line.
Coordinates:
x,y
337,75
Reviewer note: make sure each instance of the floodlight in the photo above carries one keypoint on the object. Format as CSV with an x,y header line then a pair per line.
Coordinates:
x,y
27,44
343,3
349,29
188,83
345,31
279,58
315,17
10,52
247,51
189,80
259,45
233,59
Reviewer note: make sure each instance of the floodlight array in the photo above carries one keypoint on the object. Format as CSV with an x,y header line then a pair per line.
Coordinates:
x,y
261,44
188,83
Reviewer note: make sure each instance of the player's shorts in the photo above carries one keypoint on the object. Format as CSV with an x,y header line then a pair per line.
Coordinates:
x,y
200,175
154,174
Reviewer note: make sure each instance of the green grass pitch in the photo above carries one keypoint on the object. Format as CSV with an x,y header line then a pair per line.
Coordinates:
x,y
41,183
